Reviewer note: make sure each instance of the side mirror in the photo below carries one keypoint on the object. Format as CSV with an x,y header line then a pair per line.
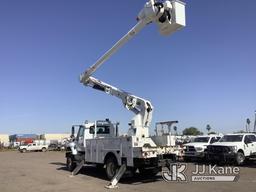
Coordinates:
x,y
72,131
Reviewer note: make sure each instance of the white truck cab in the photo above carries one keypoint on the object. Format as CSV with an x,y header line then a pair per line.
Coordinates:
x,y
197,148
233,148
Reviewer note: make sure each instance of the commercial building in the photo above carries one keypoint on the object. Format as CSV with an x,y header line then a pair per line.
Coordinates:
x,y
55,137
23,138
4,140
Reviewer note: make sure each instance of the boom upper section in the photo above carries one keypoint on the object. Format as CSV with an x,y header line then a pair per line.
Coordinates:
x,y
169,17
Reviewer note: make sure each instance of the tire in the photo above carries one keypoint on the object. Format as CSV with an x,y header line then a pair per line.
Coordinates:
x,y
44,149
240,158
151,172
111,167
24,150
70,164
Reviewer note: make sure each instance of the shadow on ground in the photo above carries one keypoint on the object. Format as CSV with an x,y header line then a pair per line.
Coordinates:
x,y
92,171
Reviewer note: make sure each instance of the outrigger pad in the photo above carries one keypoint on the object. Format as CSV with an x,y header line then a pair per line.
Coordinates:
x,y
116,178
78,168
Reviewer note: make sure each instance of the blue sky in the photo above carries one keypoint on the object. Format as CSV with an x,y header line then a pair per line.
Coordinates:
x,y
203,74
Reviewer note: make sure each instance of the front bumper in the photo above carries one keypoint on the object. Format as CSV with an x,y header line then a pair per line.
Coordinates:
x,y
224,157
194,154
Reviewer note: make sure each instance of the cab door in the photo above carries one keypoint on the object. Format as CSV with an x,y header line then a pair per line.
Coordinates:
x,y
253,144
80,138
250,144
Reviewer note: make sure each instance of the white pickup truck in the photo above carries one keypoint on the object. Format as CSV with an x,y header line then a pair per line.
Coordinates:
x,y
233,148
197,148
33,147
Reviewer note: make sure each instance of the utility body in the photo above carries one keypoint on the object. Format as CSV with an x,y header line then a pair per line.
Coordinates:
x,y
102,145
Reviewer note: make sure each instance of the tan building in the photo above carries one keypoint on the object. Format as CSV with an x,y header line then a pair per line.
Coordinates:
x,y
4,140
55,137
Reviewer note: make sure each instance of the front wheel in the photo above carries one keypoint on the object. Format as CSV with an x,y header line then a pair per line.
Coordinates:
x,y
44,150
240,158
111,167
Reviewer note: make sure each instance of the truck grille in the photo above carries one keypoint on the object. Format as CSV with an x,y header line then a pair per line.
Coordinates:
x,y
190,148
218,149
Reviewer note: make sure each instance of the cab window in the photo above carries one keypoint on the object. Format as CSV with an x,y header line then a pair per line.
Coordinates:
x,y
100,130
247,139
80,132
252,138
103,130
214,139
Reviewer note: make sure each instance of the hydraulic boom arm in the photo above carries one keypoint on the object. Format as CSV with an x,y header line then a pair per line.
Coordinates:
x,y
142,108
169,16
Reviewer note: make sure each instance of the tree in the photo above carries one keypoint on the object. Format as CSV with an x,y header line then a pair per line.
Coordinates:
x,y
248,121
192,131
208,128
240,131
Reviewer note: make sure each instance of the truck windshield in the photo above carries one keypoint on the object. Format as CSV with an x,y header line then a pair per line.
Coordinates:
x,y
201,139
231,138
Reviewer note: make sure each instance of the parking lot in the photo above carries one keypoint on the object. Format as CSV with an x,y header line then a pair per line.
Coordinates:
x,y
41,172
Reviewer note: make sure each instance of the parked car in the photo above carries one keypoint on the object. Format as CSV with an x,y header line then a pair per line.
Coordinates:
x,y
233,148
197,149
54,147
33,147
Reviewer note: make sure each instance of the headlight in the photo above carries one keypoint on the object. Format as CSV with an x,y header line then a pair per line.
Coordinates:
x,y
233,148
199,149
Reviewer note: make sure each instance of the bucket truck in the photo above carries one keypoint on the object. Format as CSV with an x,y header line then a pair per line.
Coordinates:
x,y
99,142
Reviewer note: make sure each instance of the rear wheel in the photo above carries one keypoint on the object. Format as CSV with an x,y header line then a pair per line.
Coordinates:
x,y
111,167
44,149
24,150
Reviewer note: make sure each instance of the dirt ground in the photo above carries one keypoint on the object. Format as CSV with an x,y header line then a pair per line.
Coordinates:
x,y
46,172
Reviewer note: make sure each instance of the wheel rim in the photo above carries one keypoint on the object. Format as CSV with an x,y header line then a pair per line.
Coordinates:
x,y
111,169
240,158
